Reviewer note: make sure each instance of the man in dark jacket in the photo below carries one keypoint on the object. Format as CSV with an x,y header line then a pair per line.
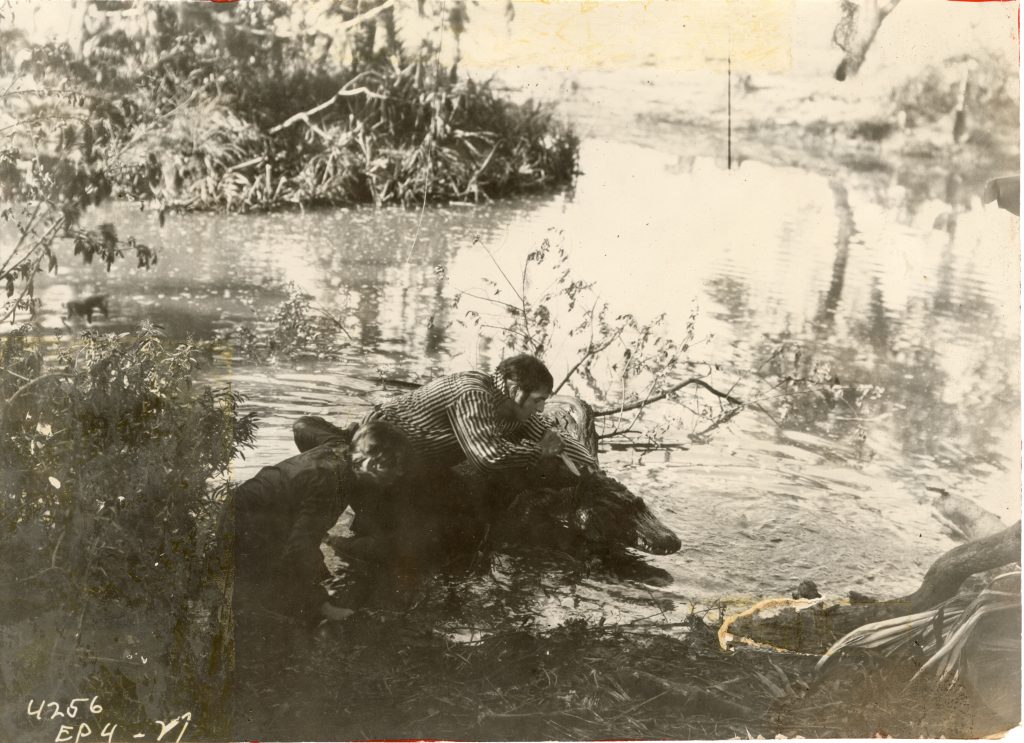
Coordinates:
x,y
283,514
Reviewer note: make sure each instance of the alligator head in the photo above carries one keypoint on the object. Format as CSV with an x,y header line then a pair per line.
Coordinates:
x,y
598,513
608,513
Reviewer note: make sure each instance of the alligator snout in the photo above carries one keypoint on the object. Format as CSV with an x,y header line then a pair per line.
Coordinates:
x,y
654,537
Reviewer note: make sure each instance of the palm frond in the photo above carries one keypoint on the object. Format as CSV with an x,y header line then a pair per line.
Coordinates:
x,y
941,632
1001,596
893,635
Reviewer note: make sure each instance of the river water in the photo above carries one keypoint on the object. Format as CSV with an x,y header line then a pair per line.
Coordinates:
x,y
915,323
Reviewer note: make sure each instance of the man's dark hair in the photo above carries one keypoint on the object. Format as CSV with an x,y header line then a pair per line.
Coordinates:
x,y
527,372
387,436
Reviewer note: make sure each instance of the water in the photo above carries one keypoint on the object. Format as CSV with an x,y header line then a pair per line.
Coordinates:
x,y
920,319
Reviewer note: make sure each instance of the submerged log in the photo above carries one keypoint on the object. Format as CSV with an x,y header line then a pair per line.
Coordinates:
x,y
812,627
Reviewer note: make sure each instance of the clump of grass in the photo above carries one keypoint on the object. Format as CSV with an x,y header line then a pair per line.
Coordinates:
x,y
392,143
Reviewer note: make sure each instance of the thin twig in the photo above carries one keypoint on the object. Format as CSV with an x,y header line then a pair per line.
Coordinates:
x,y
617,432
21,390
24,233
472,181
500,270
591,351
335,320
719,422
520,333
640,408
251,161
489,299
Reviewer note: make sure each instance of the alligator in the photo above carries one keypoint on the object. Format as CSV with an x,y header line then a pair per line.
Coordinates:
x,y
594,514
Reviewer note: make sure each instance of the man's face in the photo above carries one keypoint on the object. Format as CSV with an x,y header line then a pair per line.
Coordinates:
x,y
528,403
374,461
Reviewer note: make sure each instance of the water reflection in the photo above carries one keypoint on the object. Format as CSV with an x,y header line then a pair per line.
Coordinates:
x,y
844,234
794,274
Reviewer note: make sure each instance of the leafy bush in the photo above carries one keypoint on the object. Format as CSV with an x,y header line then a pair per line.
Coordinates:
x,y
197,124
107,515
235,117
992,97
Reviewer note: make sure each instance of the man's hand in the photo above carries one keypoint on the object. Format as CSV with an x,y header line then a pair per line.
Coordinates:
x,y
551,444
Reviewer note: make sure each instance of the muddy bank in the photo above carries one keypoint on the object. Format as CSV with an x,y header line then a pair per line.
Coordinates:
x,y
402,667
365,680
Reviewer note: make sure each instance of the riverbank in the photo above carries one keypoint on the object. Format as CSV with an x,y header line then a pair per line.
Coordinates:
x,y
389,676
903,133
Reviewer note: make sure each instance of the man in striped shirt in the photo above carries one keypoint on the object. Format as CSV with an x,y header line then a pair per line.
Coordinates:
x,y
493,421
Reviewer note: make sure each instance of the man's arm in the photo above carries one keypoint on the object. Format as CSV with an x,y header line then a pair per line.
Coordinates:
x,y
475,427
580,455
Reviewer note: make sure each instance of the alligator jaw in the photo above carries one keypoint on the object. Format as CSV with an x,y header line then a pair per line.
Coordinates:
x,y
654,537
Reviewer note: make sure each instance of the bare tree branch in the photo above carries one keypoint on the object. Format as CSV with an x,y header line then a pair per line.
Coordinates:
x,y
344,92
488,299
665,393
23,389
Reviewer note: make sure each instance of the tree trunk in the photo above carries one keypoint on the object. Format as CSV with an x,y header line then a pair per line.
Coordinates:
x,y
76,26
948,573
856,32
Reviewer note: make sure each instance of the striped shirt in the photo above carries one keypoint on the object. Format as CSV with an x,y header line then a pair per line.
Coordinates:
x,y
464,416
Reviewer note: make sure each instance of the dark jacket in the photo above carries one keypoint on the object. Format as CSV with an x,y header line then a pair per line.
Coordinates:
x,y
280,518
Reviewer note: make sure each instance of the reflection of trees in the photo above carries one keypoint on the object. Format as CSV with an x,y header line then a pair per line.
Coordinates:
x,y
367,312
878,327
891,368
908,395
846,230
734,295
388,269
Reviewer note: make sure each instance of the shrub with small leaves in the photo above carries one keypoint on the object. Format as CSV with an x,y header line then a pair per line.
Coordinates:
x,y
108,511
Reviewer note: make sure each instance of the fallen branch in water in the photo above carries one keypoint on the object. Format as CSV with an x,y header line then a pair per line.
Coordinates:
x,y
642,446
614,411
665,393
402,383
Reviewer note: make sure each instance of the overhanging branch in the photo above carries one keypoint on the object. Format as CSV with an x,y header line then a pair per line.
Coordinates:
x,y
665,393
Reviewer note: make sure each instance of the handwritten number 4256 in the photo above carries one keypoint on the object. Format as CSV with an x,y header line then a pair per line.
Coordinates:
x,y
72,708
